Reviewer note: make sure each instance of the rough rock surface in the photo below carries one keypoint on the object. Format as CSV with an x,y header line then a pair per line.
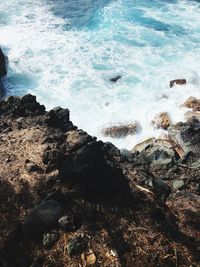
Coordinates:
x,y
120,208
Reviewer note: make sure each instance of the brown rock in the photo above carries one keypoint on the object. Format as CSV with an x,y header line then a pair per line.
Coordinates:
x,y
193,103
177,81
162,121
120,131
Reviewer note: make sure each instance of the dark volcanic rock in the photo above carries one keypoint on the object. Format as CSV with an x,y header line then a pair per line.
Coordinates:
x,y
3,64
59,118
95,171
21,107
115,79
187,135
42,218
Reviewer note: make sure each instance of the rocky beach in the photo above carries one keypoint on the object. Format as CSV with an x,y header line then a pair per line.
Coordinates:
x,y
68,199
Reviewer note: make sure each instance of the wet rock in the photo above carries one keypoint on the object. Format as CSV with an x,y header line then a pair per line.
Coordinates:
x,y
120,130
42,218
162,121
77,245
50,238
178,184
116,78
187,135
3,64
193,103
67,223
177,81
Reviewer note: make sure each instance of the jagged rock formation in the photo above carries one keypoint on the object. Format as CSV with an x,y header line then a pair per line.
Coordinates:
x,y
67,199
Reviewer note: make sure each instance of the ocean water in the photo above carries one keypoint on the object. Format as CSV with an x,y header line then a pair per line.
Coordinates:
x,y
65,52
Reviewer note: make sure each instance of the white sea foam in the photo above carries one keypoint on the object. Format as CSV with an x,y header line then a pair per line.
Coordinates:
x,y
72,67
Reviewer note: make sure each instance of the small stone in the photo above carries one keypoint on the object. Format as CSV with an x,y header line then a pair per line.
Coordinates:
x,y
177,81
50,238
116,78
178,184
77,245
67,223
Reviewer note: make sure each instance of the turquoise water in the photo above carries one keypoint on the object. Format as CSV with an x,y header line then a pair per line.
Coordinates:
x,y
66,51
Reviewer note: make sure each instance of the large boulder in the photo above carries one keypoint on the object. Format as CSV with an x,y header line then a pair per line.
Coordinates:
x,y
187,135
160,153
3,64
94,170
120,131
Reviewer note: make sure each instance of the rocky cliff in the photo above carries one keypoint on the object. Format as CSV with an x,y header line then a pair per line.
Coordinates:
x,y
67,199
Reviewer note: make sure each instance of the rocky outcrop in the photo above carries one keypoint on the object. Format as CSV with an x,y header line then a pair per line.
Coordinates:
x,y
67,199
162,120
177,81
120,131
3,64
187,135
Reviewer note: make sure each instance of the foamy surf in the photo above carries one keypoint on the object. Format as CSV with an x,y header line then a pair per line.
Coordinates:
x,y
66,54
